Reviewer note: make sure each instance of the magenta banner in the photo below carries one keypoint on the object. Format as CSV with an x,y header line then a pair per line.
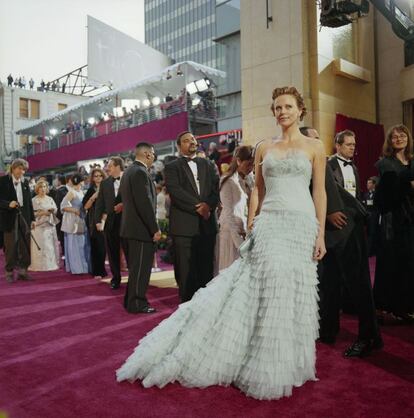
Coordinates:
x,y
114,143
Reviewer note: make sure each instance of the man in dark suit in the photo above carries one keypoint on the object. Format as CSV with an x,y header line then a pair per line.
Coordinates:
x,y
193,186
108,217
16,219
139,227
351,255
60,192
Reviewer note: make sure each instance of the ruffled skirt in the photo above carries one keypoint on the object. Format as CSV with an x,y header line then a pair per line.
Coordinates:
x,y
253,326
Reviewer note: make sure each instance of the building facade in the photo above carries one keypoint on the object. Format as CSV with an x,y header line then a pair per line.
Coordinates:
x,y
182,29
360,70
203,31
21,107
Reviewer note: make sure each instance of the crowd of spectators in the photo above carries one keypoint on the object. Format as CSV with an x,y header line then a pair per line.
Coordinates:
x,y
20,82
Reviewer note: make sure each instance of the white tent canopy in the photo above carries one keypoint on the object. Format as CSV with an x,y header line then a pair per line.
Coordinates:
x,y
156,85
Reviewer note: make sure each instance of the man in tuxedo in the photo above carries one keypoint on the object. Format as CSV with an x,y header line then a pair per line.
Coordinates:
x,y
139,227
193,186
16,219
350,256
60,192
108,216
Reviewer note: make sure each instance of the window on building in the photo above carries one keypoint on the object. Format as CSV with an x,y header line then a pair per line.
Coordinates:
x,y
29,108
34,109
62,106
24,108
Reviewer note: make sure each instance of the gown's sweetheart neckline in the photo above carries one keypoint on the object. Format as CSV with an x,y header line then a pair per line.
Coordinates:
x,y
288,156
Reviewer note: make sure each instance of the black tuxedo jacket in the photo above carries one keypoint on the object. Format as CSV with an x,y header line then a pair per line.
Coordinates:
x,y
59,195
138,196
179,179
354,209
105,202
337,172
7,194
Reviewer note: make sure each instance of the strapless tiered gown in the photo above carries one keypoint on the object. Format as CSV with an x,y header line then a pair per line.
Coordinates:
x,y
254,326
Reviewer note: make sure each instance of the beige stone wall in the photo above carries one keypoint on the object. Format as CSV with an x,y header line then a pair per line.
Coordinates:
x,y
292,51
270,58
390,53
344,93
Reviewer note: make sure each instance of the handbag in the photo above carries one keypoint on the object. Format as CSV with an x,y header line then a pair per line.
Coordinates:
x,y
79,226
246,246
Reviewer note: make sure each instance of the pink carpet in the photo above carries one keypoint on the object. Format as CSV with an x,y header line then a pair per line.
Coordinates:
x,y
62,337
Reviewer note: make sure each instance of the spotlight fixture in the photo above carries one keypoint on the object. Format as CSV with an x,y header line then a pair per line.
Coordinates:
x,y
168,76
191,88
179,72
146,102
155,101
53,131
201,85
91,121
195,101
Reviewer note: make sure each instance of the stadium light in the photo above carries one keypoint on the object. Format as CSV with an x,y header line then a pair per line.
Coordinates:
x,y
156,101
191,88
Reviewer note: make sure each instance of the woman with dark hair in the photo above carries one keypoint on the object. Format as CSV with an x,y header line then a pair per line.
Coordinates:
x,y
98,252
394,199
77,248
234,196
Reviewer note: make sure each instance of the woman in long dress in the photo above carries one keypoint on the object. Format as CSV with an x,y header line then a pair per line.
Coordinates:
x,y
394,198
97,240
255,324
77,247
47,257
234,197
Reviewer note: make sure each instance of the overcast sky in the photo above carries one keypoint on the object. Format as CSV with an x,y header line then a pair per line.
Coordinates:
x,y
48,38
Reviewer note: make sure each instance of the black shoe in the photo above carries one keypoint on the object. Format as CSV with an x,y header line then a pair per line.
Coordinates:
x,y
115,285
363,348
23,275
147,309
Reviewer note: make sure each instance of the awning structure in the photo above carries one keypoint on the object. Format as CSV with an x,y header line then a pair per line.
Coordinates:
x,y
172,80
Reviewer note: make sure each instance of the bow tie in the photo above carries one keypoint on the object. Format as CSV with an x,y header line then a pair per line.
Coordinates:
x,y
117,178
16,183
345,161
188,159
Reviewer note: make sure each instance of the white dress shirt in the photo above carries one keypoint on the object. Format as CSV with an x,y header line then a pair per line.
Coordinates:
x,y
348,175
116,184
194,169
18,187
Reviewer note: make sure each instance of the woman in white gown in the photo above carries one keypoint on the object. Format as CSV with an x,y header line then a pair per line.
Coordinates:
x,y
255,324
47,257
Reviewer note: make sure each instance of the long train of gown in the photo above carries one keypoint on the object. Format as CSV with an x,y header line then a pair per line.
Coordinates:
x,y
255,324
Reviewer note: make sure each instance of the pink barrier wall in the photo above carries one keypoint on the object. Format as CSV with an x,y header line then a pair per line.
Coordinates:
x,y
102,146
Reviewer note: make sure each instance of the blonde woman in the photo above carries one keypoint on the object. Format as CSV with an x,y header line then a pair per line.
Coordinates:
x,y
47,257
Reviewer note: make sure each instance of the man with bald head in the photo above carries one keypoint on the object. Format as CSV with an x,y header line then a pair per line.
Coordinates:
x,y
139,227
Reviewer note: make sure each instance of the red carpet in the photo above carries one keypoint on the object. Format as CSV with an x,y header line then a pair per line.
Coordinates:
x,y
62,337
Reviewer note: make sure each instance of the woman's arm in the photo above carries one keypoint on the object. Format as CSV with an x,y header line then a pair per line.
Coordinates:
x,y
319,197
66,206
258,192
